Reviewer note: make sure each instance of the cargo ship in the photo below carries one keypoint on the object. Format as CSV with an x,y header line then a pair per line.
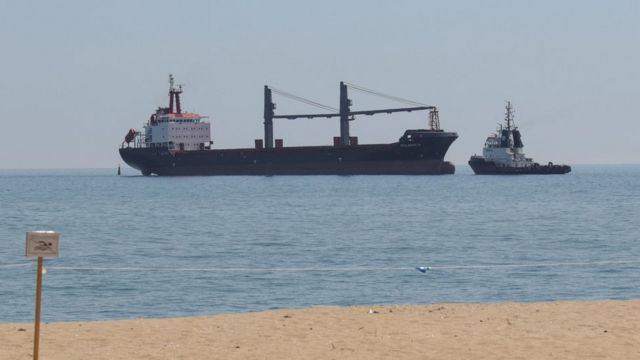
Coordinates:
x,y
503,154
174,142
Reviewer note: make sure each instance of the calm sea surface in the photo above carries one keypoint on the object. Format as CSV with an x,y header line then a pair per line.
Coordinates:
x,y
134,246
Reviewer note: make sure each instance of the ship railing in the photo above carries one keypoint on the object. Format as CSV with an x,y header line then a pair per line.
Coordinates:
x,y
139,141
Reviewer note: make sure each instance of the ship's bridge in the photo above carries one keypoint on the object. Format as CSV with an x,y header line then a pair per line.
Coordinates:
x,y
492,141
184,132
173,129
180,118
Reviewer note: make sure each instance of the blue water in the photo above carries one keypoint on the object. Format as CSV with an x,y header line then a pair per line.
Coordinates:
x,y
134,246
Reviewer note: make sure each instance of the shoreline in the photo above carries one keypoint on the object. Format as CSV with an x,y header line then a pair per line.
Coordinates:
x,y
565,329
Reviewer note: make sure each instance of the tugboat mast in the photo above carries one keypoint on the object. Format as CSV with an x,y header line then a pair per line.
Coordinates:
x,y
509,116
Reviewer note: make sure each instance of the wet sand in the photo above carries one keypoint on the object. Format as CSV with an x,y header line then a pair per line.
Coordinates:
x,y
553,330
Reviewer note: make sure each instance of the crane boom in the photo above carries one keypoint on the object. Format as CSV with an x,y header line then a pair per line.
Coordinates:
x,y
351,113
345,115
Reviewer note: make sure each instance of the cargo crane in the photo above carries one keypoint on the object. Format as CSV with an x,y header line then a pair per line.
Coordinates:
x,y
344,112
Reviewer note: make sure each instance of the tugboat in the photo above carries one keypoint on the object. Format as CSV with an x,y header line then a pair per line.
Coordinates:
x,y
502,154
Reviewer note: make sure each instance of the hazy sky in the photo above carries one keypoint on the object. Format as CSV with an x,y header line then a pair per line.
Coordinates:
x,y
76,75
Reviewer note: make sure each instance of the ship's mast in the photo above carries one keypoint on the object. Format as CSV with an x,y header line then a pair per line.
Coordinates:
x,y
170,93
269,108
345,104
509,116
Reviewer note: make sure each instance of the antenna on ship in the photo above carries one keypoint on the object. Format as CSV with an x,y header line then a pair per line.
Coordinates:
x,y
509,115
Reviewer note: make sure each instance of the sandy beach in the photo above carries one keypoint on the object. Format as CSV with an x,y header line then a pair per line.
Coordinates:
x,y
553,330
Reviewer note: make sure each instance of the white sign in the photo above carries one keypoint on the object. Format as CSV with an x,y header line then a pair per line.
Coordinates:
x,y
42,243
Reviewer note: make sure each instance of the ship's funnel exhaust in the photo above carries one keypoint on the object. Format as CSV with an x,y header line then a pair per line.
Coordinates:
x,y
174,93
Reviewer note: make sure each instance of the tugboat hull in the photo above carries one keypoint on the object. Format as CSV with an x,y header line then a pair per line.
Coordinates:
x,y
481,166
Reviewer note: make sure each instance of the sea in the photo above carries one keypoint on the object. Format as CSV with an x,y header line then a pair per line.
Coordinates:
x,y
156,247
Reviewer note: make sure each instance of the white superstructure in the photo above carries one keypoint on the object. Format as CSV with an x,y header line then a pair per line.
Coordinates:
x,y
172,129
504,148
184,132
504,156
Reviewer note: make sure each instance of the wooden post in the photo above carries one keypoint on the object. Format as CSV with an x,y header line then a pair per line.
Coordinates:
x,y
40,244
36,332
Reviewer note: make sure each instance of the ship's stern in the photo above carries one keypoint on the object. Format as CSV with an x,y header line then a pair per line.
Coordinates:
x,y
138,158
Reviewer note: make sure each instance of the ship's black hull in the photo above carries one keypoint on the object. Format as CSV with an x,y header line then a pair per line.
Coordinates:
x,y
424,157
482,167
